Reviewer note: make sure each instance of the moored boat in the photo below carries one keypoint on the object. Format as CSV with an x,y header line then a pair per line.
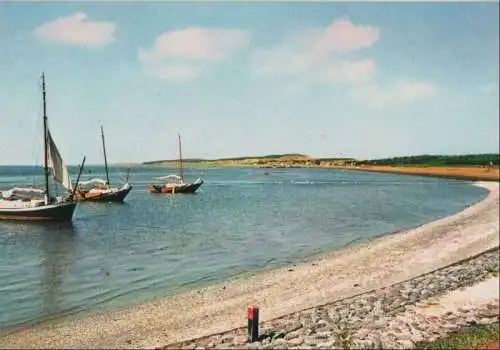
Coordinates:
x,y
99,190
175,183
43,204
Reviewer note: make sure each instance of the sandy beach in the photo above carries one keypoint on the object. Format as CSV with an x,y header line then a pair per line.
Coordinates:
x,y
450,172
354,270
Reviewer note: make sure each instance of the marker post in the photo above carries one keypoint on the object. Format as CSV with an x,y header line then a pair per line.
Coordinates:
x,y
253,323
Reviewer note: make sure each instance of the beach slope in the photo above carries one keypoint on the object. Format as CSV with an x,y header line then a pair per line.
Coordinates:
x,y
356,269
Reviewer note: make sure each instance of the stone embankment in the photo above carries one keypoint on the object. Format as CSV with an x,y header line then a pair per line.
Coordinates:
x,y
401,316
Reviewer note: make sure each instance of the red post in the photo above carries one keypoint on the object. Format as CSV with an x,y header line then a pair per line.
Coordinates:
x,y
253,323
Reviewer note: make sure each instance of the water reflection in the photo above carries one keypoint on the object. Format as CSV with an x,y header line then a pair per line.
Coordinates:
x,y
58,245
54,246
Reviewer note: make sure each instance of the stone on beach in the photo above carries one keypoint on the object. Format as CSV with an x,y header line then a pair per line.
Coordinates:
x,y
404,331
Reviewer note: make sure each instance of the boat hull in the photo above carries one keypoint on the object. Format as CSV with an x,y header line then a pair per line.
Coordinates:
x,y
51,212
183,189
115,196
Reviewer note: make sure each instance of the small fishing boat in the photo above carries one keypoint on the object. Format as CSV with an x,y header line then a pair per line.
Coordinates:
x,y
175,183
99,190
43,204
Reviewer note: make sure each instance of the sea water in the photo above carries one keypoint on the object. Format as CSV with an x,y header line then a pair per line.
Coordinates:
x,y
241,220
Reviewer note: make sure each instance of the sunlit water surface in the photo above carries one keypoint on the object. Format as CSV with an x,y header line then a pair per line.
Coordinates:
x,y
241,220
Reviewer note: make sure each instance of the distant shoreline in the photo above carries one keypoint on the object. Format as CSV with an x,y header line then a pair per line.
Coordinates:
x,y
295,159
456,173
466,173
472,167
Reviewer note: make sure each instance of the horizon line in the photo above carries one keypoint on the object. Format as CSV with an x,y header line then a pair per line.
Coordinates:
x,y
266,155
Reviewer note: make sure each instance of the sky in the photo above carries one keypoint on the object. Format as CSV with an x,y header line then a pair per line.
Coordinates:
x,y
327,79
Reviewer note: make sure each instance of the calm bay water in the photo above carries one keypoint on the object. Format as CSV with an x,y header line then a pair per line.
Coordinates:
x,y
241,220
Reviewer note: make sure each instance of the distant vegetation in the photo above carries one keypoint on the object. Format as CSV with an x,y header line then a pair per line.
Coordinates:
x,y
333,161
269,156
296,159
437,160
200,160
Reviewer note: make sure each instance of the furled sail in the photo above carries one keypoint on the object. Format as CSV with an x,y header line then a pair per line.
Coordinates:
x,y
20,192
56,164
93,182
166,177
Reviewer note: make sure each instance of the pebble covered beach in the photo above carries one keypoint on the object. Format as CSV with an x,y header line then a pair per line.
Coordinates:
x,y
390,318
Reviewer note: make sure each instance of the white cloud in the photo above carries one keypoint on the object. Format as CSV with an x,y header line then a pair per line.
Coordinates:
x,y
319,50
78,30
318,56
182,55
396,93
342,36
197,43
350,73
343,72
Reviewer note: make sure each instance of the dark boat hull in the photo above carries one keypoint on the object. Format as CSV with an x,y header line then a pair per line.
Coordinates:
x,y
118,196
51,212
188,188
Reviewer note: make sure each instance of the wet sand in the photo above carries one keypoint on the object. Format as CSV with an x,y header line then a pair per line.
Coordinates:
x,y
356,269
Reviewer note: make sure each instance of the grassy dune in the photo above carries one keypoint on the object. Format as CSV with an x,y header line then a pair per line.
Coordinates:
x,y
274,160
465,167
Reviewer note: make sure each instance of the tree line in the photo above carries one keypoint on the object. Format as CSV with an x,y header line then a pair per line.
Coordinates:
x,y
438,160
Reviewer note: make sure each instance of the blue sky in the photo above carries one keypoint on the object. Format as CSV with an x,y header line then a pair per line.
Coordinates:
x,y
325,79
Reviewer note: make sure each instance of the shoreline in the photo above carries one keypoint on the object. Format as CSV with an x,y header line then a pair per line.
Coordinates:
x,y
220,307
463,173
455,173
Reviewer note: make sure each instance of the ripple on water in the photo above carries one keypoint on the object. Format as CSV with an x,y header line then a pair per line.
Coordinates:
x,y
158,245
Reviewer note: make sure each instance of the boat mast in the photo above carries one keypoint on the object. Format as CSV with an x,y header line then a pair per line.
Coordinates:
x,y
105,158
78,177
45,148
181,172
127,176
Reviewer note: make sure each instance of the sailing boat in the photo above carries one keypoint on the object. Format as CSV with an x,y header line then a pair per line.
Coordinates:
x,y
175,183
35,204
101,190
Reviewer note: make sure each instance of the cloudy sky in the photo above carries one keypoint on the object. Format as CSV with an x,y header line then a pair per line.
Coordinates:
x,y
325,79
